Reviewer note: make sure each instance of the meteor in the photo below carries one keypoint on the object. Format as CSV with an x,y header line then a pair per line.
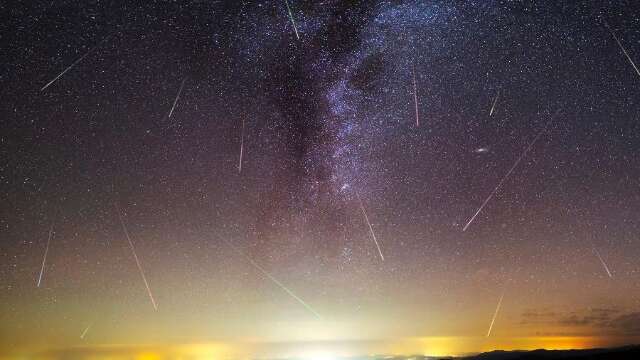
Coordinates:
x,y
506,176
177,97
415,95
495,314
295,29
74,63
241,147
85,332
606,268
44,259
624,51
133,250
495,101
274,280
373,235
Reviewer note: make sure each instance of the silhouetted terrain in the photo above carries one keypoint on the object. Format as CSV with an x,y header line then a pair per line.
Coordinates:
x,y
626,352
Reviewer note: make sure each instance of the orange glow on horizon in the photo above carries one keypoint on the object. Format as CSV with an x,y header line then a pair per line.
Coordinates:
x,y
428,346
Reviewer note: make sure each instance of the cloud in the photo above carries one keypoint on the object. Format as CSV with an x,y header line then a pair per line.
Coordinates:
x,y
533,316
589,317
628,324
613,319
593,317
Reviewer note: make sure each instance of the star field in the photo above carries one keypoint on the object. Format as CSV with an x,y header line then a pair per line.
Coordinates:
x,y
370,135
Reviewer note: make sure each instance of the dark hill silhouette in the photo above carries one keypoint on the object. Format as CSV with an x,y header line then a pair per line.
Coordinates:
x,y
626,352
620,353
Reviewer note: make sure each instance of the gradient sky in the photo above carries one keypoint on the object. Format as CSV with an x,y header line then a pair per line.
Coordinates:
x,y
147,125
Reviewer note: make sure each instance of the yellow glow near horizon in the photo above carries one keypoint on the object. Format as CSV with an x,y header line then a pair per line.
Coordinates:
x,y
319,355
429,346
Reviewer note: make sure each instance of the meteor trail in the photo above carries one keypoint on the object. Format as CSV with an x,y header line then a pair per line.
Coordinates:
x,y
415,95
133,250
177,97
495,101
44,259
295,29
496,313
606,268
241,147
273,279
85,332
373,235
622,48
74,63
506,176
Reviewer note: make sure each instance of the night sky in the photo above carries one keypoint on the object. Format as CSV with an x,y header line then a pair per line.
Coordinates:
x,y
266,172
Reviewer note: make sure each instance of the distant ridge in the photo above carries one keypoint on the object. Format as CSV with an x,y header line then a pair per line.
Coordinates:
x,y
625,352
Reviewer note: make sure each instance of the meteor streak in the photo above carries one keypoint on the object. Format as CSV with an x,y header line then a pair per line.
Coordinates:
x,y
295,29
373,235
177,97
624,51
133,250
74,63
85,332
44,259
606,268
495,101
415,95
506,176
274,280
241,147
495,315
